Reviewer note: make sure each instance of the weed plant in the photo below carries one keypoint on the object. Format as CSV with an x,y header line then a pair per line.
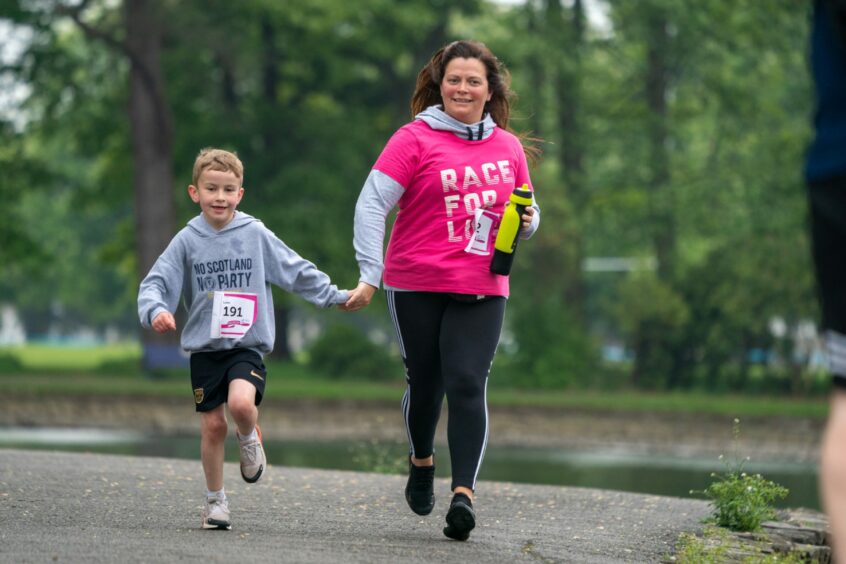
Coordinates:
x,y
741,501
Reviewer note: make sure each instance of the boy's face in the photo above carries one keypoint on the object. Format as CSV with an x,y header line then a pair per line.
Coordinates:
x,y
218,194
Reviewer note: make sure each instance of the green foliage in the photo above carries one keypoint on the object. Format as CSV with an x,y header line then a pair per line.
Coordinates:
x,y
646,300
742,501
9,364
20,251
650,314
709,182
735,289
551,350
715,547
344,352
712,549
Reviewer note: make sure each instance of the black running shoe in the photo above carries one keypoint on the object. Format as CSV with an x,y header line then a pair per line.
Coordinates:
x,y
460,518
420,490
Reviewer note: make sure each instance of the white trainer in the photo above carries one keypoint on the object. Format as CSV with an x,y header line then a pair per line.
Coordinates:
x,y
252,457
216,513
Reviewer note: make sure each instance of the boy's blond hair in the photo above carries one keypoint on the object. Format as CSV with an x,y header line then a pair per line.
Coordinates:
x,y
217,159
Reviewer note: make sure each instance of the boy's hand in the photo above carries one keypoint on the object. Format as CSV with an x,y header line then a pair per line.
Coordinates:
x,y
164,322
359,298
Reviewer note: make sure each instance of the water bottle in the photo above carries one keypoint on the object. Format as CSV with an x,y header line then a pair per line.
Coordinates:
x,y
509,230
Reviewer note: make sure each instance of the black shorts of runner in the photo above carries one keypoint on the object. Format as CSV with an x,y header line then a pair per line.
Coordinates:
x,y
211,373
827,199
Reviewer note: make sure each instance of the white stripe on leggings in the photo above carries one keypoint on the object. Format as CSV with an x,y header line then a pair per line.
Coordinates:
x,y
487,432
392,310
406,396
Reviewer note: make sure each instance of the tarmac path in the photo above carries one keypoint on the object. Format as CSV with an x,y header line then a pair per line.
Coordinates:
x,y
91,508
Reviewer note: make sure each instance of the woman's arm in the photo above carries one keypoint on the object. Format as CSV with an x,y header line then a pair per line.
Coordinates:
x,y
378,197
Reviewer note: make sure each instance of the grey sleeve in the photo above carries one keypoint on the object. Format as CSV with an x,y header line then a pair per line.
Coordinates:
x,y
291,272
533,227
378,197
162,287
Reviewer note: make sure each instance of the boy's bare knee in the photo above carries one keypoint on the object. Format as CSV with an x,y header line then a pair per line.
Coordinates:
x,y
242,400
241,408
214,426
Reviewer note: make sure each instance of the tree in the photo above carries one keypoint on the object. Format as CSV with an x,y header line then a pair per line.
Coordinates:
x,y
151,132
670,135
723,167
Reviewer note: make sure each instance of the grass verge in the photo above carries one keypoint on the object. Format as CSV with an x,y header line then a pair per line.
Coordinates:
x,y
114,370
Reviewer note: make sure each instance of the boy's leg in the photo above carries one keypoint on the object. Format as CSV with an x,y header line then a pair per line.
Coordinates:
x,y
209,386
247,377
213,429
215,514
242,405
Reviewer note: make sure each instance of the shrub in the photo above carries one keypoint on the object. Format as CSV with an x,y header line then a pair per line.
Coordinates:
x,y
9,364
344,352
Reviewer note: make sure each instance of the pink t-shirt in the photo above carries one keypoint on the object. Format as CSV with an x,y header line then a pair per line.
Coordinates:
x,y
445,179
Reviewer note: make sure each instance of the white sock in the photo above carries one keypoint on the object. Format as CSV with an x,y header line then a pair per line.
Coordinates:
x,y
220,494
251,437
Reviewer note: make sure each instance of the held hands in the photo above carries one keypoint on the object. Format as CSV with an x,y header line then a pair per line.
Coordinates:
x,y
359,297
164,322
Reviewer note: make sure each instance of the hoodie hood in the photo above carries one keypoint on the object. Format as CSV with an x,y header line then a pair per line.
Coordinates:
x,y
202,228
436,118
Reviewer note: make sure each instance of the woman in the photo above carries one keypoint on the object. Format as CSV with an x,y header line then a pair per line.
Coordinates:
x,y
454,158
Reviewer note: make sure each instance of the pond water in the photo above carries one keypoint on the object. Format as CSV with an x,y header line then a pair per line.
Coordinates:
x,y
605,469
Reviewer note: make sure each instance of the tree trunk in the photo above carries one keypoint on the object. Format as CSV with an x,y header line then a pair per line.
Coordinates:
x,y
281,350
270,77
661,218
661,202
572,153
538,72
567,31
152,139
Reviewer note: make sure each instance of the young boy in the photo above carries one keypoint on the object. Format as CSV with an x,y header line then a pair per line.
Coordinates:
x,y
223,263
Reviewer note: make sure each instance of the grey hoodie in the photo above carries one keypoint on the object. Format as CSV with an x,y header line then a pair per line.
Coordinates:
x,y
381,193
244,256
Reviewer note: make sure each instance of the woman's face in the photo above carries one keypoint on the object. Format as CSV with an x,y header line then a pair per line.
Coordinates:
x,y
464,89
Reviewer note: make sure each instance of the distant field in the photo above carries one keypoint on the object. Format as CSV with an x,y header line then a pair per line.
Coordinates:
x,y
114,370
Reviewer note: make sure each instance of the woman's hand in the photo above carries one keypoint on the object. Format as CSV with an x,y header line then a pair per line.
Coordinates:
x,y
359,297
527,216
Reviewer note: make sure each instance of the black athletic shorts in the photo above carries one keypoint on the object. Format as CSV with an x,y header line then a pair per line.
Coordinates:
x,y
828,234
211,373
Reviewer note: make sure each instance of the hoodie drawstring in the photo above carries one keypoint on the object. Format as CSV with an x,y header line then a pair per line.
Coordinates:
x,y
481,130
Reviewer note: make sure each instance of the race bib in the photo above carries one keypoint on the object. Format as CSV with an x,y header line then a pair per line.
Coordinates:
x,y
481,241
233,313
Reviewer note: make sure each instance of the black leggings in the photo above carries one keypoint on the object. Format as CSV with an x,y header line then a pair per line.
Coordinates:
x,y
447,343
